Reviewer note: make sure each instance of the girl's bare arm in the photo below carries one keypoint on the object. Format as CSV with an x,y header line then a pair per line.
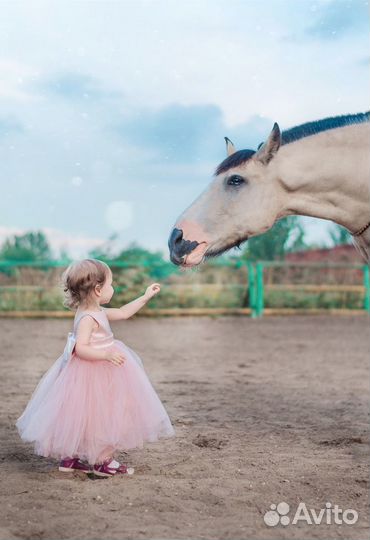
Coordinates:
x,y
128,310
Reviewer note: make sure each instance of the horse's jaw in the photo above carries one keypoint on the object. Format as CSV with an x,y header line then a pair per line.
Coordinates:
x,y
362,244
208,251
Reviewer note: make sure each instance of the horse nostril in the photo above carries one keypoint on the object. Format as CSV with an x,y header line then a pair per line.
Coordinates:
x,y
175,242
175,238
178,236
179,247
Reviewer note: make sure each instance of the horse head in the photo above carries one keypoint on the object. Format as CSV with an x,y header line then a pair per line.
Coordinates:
x,y
242,200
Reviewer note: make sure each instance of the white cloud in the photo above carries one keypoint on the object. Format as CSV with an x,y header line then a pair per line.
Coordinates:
x,y
15,79
76,244
9,231
236,58
62,169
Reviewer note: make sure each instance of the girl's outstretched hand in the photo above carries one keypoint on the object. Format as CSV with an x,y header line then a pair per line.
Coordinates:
x,y
152,290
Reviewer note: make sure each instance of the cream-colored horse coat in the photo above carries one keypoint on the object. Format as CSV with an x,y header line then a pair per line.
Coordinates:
x,y
324,174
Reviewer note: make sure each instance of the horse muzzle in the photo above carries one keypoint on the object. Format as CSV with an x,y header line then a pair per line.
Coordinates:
x,y
179,247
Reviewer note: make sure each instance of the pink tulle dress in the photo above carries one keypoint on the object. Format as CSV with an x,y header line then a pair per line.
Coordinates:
x,y
82,407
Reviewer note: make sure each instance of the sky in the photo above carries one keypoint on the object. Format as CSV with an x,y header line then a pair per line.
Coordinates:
x,y
113,114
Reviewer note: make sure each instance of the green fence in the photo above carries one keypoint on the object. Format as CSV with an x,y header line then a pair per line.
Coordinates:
x,y
255,284
257,281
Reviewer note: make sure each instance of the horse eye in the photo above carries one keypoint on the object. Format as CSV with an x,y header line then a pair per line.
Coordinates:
x,y
235,180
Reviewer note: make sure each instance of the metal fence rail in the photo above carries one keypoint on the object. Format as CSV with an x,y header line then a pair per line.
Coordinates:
x,y
258,307
255,286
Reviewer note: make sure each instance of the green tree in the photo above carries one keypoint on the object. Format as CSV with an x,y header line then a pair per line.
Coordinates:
x,y
104,252
287,235
339,235
31,246
64,255
152,263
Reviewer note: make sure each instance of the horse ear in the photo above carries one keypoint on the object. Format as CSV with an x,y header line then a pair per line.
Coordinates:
x,y
230,148
266,151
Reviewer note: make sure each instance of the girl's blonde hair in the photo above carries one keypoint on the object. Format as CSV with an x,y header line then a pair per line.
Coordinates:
x,y
80,279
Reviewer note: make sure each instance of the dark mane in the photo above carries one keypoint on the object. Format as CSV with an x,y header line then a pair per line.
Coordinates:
x,y
296,133
332,122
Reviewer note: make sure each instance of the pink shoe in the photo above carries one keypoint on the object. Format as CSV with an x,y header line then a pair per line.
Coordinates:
x,y
110,467
73,464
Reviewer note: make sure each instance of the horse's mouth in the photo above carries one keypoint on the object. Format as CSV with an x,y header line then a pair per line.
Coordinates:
x,y
196,256
206,251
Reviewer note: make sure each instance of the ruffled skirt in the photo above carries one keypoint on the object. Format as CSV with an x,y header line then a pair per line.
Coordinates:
x,y
91,406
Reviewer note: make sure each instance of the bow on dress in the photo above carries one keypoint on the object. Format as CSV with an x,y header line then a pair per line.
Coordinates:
x,y
68,350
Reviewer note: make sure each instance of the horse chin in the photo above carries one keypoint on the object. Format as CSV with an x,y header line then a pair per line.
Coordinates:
x,y
205,251
217,251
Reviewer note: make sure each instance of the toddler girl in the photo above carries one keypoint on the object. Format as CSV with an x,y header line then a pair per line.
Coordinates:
x,y
96,398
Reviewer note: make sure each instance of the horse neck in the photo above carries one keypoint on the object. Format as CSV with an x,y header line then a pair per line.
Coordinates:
x,y
326,175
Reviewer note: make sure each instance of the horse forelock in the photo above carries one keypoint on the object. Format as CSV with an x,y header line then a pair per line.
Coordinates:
x,y
238,158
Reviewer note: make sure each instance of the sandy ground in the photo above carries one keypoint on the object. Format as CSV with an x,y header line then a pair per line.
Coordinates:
x,y
265,411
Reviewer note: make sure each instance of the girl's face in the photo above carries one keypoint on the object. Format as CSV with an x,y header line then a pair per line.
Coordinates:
x,y
107,290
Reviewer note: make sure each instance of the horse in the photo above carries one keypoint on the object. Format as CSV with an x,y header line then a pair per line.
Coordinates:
x,y
319,169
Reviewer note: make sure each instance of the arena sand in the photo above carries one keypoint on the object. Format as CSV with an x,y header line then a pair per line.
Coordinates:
x,y
265,411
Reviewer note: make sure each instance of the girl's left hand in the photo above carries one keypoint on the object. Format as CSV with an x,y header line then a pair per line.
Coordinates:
x,y
152,290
